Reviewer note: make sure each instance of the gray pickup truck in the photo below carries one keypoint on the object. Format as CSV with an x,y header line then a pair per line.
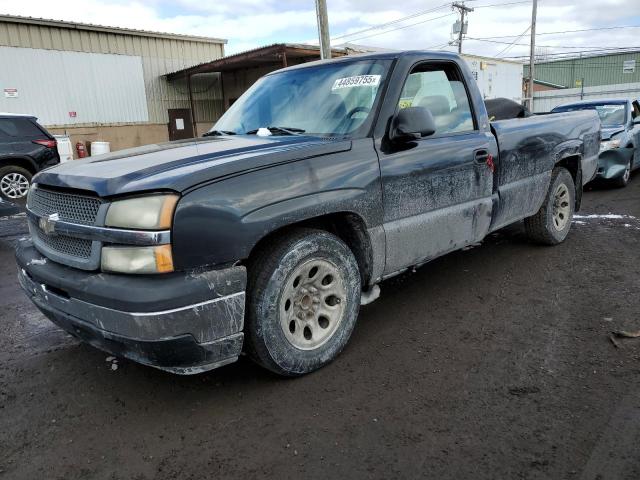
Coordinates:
x,y
266,235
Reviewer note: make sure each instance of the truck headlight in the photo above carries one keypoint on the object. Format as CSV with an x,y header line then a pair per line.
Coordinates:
x,y
30,193
137,259
152,212
610,144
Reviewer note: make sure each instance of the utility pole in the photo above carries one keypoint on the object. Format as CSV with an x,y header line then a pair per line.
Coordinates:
x,y
463,9
323,29
532,53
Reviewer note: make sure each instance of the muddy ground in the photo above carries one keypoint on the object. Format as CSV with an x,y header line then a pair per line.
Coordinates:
x,y
492,362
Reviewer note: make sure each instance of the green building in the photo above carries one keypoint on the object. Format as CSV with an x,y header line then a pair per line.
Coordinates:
x,y
607,69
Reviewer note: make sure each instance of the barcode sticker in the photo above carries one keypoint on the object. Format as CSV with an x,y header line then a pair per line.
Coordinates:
x,y
356,81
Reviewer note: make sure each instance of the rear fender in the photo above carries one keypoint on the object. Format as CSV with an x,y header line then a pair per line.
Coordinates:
x,y
19,161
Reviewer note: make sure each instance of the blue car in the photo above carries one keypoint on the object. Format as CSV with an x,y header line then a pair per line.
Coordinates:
x,y
620,142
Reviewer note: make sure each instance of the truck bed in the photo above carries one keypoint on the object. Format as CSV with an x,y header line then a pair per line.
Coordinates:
x,y
529,148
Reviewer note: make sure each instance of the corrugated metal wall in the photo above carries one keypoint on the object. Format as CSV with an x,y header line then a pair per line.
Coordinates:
x,y
601,70
72,88
545,101
158,56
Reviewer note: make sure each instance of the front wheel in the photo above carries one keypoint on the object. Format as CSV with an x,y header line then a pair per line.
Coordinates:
x,y
303,302
551,224
623,180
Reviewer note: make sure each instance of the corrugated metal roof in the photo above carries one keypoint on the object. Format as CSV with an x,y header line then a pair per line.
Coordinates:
x,y
103,28
258,53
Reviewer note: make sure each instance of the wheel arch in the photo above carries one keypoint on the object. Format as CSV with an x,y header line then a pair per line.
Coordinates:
x,y
348,226
573,163
22,162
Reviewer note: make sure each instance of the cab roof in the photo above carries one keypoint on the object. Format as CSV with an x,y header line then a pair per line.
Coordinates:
x,y
428,54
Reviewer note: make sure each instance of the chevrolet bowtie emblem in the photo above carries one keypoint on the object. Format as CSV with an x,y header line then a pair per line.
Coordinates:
x,y
48,224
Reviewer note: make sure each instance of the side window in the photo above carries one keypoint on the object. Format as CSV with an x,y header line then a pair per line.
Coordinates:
x,y
439,88
19,127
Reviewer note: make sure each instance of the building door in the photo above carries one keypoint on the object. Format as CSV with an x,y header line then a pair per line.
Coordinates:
x,y
180,125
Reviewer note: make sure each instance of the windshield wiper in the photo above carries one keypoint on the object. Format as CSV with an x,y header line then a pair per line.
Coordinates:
x,y
285,130
217,133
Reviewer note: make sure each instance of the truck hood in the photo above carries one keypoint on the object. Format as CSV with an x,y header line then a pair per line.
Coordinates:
x,y
183,164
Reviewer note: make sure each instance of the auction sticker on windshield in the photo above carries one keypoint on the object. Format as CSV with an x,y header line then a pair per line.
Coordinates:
x,y
357,81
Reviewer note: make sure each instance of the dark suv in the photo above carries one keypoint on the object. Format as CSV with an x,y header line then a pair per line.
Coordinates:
x,y
25,149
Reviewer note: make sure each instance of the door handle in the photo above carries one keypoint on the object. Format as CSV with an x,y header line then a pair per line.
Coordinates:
x,y
481,156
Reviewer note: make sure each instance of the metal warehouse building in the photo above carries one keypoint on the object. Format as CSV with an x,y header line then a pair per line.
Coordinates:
x,y
107,84
612,75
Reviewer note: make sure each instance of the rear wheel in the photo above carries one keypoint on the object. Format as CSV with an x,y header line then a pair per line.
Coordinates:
x,y
14,182
551,224
303,302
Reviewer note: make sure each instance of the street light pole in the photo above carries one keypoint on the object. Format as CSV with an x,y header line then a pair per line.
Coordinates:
x,y
323,29
532,53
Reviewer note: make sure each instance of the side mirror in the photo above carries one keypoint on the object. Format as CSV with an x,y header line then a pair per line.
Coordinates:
x,y
412,123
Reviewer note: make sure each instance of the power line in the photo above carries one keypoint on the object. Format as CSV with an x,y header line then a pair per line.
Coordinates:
x,y
542,46
572,55
509,47
501,4
403,26
393,22
565,31
413,15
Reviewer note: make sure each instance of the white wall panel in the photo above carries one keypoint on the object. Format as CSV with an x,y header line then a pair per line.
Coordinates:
x,y
100,88
496,78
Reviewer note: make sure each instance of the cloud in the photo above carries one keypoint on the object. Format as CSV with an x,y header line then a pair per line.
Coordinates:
x,y
252,23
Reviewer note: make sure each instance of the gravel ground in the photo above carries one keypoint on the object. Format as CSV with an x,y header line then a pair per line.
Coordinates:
x,y
493,362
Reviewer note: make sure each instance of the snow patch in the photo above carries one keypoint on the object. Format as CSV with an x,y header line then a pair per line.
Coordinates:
x,y
610,216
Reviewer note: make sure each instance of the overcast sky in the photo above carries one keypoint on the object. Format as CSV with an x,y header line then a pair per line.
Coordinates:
x,y
252,23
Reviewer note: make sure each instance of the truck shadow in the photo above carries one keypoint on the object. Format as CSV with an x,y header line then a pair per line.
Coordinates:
x,y
457,268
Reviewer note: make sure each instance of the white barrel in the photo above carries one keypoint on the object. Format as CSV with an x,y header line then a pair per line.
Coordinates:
x,y
65,149
98,148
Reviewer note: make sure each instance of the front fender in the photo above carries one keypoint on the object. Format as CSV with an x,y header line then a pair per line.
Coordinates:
x,y
613,163
220,223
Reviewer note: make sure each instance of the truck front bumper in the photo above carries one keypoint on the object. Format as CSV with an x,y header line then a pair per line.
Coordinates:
x,y
184,323
613,163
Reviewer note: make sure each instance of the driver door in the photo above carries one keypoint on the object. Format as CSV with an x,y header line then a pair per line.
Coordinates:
x,y
437,190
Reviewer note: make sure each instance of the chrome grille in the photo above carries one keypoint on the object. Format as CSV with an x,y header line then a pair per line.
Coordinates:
x,y
73,247
71,207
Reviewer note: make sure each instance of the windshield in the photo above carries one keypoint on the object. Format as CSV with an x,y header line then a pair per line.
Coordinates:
x,y
611,114
326,100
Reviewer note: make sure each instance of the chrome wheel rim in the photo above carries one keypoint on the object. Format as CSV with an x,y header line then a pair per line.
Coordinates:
x,y
14,185
627,173
312,304
561,207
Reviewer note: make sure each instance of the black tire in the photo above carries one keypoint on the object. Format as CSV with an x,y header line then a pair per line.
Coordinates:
x,y
542,227
13,170
623,180
270,278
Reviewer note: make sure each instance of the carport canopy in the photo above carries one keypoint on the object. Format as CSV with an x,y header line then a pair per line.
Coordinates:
x,y
260,60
